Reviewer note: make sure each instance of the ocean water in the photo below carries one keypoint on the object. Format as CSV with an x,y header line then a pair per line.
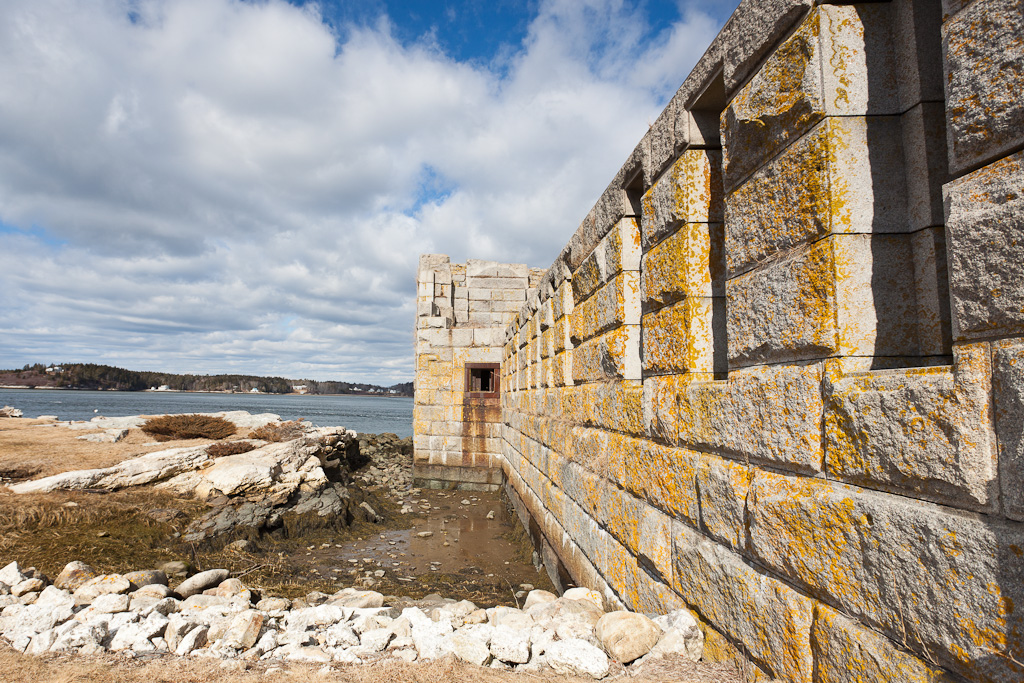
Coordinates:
x,y
361,413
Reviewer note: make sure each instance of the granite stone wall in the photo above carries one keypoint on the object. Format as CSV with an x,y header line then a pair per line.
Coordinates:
x,y
777,374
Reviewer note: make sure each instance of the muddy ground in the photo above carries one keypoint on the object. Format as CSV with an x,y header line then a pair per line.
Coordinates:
x,y
450,543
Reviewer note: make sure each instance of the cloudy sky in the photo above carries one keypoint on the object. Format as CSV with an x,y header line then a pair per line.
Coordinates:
x,y
245,186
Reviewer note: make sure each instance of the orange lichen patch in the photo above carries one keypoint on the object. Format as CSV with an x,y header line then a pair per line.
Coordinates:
x,y
616,303
723,486
920,429
682,265
613,355
780,102
847,653
935,580
690,192
679,338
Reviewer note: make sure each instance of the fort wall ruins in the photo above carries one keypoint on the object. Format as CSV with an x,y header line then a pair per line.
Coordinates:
x,y
777,374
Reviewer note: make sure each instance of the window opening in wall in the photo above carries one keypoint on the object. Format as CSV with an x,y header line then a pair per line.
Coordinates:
x,y
634,195
705,117
482,379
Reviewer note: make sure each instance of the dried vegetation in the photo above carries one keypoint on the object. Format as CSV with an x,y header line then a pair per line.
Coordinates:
x,y
280,431
172,427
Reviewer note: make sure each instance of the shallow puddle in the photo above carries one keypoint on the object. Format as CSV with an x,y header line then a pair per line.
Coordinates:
x,y
457,544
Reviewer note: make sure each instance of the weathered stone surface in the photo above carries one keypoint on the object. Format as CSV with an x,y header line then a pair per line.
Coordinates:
x,y
146,577
200,582
576,657
11,574
722,487
101,585
690,192
948,582
510,645
27,586
627,636
825,183
1008,386
689,262
194,639
985,221
984,52
682,636
770,413
613,355
847,653
770,619
74,575
582,593
358,599
663,476
681,338
616,303
244,630
925,430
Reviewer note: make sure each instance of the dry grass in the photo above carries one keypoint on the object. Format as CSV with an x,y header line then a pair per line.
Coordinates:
x,y
222,448
283,431
34,448
18,668
172,427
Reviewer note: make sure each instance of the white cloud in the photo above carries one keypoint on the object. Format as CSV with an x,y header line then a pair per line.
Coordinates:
x,y
213,185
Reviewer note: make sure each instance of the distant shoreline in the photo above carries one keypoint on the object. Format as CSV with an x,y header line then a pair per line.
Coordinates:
x,y
183,391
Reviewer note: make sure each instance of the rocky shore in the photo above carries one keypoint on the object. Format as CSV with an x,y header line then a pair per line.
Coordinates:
x,y
212,615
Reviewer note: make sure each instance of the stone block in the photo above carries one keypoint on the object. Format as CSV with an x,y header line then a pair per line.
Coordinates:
x,y
640,528
753,32
924,430
622,247
616,303
983,46
663,476
985,221
690,192
481,268
722,487
1008,391
613,355
943,582
931,291
846,294
845,652
770,619
772,414
689,262
924,152
838,63
845,176
589,276
681,338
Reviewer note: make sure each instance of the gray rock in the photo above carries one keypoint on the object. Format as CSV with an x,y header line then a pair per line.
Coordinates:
x,y
176,569
201,581
273,604
101,585
145,578
1008,390
74,575
358,599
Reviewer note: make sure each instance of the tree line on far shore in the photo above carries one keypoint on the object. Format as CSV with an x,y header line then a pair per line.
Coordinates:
x,y
107,377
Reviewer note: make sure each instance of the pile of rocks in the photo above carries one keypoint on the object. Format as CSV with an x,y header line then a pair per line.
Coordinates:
x,y
211,615
390,464
9,411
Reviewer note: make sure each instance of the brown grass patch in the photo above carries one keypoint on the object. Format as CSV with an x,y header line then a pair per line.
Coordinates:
x,y
18,668
172,427
34,448
281,431
222,448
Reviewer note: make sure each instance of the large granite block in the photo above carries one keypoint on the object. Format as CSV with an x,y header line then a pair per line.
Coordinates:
x,y
690,192
923,430
947,584
689,262
612,355
845,176
616,303
680,338
771,619
984,228
983,47
1008,390
722,486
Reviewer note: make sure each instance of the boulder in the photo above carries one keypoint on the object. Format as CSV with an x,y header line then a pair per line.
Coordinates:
x,y
357,599
626,635
145,578
201,581
467,648
576,658
74,575
580,593
243,631
510,645
538,596
27,586
176,569
194,639
11,574
682,636
101,585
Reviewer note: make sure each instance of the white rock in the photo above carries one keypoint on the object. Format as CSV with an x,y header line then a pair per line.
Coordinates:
x,y
196,638
177,627
509,616
27,586
101,585
11,574
301,653
576,658
358,599
79,637
537,597
467,648
376,640
682,636
130,636
318,616
340,635
138,471
405,655
41,642
244,630
510,644
110,603
581,593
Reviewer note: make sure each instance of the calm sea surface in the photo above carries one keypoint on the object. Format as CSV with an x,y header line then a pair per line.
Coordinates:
x,y
361,413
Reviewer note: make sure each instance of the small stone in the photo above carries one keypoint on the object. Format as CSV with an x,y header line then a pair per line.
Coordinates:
x,y
102,534
101,585
74,575
201,581
537,597
425,534
27,586
490,515
145,578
